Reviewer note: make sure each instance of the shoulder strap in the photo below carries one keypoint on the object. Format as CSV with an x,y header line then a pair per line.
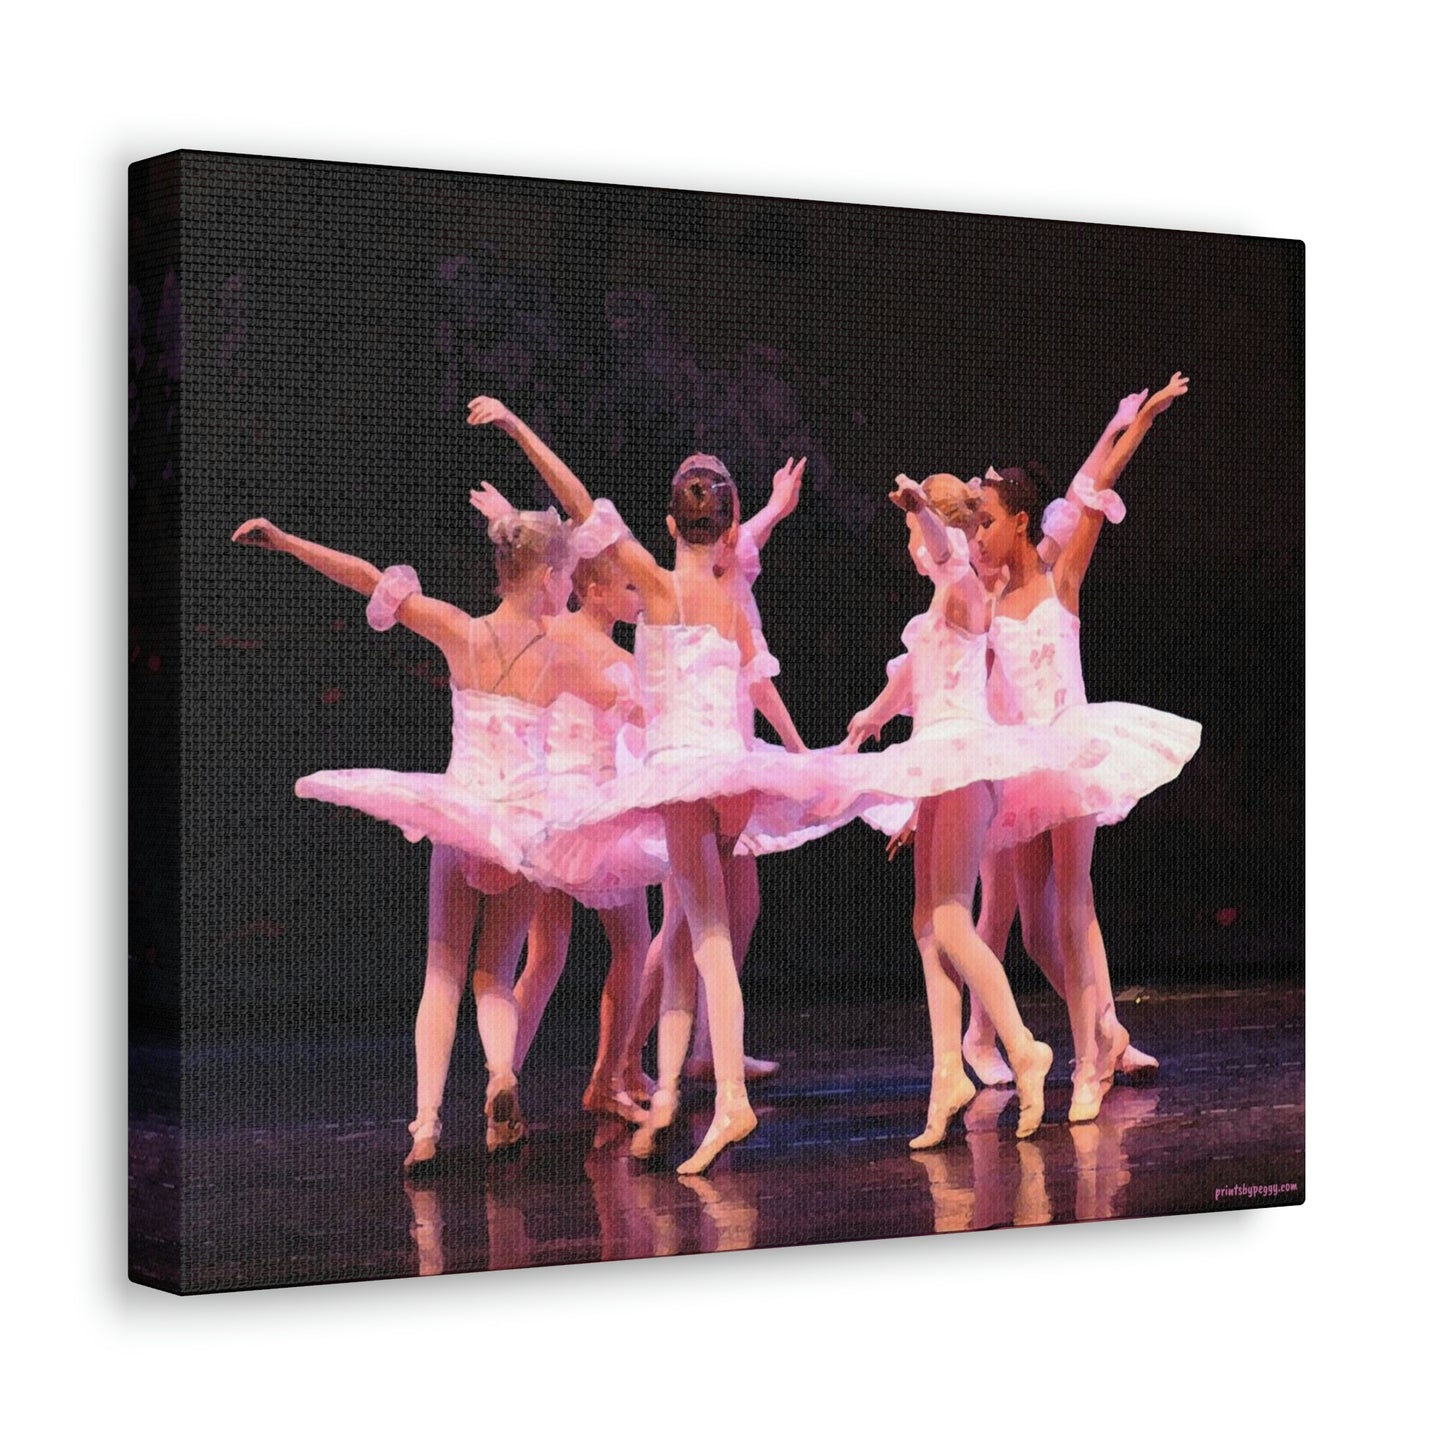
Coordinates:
x,y
516,657
496,642
502,659
677,597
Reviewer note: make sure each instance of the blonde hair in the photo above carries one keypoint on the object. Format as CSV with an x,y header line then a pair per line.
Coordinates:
x,y
525,542
954,500
589,571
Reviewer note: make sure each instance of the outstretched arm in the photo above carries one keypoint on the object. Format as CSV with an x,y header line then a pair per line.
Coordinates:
x,y
765,697
566,486
787,484
966,601
909,497
768,701
560,478
1077,552
438,622
353,572
1124,415
895,698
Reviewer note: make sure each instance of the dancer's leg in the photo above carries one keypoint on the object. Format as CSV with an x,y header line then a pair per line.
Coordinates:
x,y
677,1007
959,822
995,920
1038,903
1099,1038
505,919
1039,912
548,938
649,1000
950,1088
628,934
451,916
740,878
692,849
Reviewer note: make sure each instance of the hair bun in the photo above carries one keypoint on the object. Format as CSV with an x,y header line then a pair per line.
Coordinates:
x,y
504,531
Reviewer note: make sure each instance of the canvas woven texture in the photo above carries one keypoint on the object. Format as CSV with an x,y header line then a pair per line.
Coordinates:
x,y
304,340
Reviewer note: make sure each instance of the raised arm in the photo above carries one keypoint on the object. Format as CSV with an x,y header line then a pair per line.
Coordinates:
x,y
1124,448
966,600
1074,558
787,484
439,622
563,482
1124,415
574,498
909,497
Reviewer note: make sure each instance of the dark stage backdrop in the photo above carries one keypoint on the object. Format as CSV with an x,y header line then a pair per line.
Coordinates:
x,y
318,343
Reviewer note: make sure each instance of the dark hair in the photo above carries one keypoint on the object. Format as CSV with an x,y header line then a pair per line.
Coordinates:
x,y
1018,491
704,500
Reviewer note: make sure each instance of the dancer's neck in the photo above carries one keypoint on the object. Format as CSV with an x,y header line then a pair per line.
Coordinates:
x,y
1027,569
693,564
595,618
520,610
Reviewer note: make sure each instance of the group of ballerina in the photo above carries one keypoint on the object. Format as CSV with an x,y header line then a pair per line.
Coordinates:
x,y
582,772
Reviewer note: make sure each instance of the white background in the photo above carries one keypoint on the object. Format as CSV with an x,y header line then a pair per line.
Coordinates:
x,y
1276,1323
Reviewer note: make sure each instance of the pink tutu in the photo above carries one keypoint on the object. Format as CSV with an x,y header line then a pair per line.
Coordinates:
x,y
1038,679
586,748
490,803
1143,750
955,743
697,750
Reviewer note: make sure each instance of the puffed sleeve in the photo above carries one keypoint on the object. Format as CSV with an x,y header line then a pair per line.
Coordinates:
x,y
749,560
1061,520
601,529
895,666
953,571
764,664
1086,492
396,585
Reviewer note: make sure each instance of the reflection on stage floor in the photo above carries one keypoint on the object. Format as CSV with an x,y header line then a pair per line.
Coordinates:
x,y
295,1166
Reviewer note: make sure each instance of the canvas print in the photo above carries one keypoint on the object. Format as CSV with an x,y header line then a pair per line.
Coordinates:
x,y
665,722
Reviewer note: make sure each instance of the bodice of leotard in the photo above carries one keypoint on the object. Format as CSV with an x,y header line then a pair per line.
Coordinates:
x,y
949,672
1038,656
498,742
692,687
582,738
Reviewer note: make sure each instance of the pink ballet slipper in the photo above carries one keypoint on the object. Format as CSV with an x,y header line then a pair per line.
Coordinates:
x,y
426,1133
951,1091
505,1125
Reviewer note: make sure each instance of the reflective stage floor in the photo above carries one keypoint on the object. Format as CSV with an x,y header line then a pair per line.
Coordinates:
x,y
294,1165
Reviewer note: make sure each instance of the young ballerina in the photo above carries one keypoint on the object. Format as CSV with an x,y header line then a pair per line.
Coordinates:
x,y
949,768
582,748
1035,640
606,596
696,657
1028,867
483,812
741,570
